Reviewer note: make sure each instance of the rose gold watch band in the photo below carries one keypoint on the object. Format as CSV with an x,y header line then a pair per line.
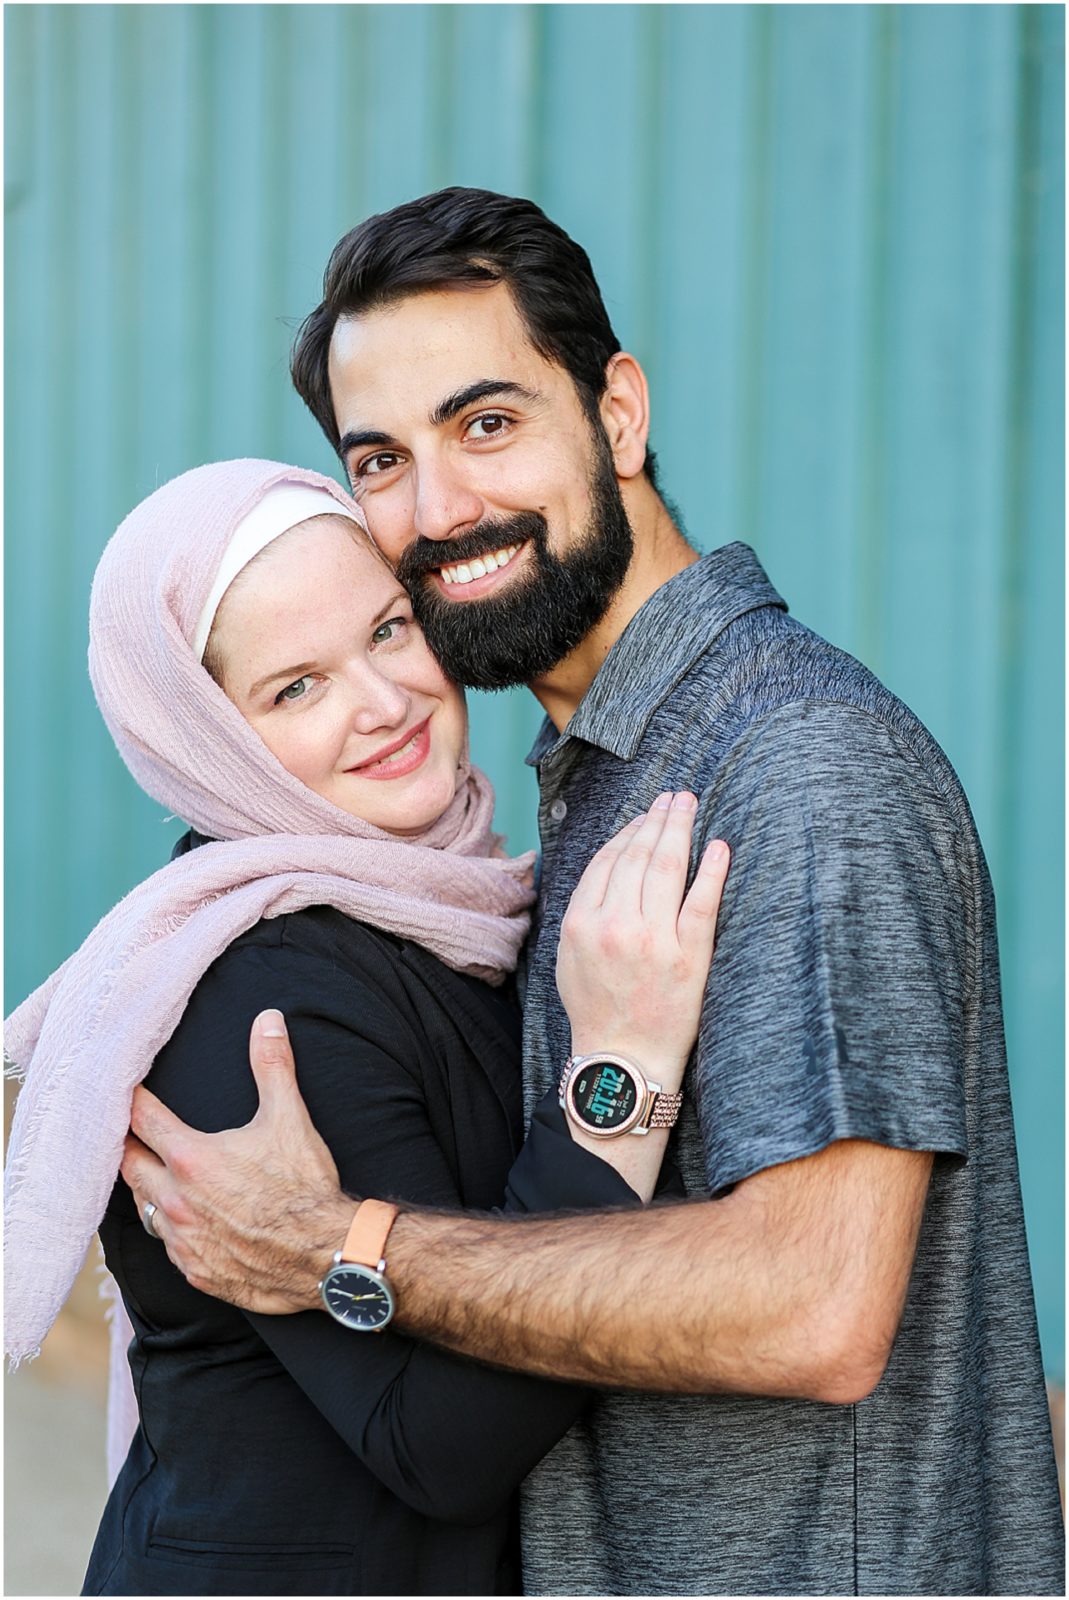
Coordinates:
x,y
365,1243
666,1108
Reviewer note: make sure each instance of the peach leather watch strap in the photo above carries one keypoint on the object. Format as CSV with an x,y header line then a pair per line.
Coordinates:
x,y
365,1243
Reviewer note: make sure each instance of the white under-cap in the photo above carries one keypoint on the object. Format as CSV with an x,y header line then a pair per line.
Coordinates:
x,y
282,508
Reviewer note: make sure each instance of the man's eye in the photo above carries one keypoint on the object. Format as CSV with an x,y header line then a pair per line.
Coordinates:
x,y
488,426
373,466
296,690
388,631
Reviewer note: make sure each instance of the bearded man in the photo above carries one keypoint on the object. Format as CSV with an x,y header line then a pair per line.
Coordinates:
x,y
822,1373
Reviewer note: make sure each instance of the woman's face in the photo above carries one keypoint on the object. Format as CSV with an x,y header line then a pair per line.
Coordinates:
x,y
315,644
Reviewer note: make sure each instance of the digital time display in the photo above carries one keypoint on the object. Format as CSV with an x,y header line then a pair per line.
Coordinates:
x,y
357,1297
604,1095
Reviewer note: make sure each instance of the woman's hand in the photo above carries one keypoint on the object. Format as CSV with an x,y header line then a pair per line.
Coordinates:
x,y
632,962
635,949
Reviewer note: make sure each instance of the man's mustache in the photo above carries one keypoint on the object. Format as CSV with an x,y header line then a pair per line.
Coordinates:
x,y
427,555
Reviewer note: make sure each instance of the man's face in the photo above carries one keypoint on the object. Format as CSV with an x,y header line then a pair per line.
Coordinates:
x,y
482,479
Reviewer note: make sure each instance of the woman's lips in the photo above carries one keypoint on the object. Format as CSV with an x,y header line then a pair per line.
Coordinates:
x,y
404,758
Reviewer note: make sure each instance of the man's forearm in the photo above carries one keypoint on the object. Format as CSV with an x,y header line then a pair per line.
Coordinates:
x,y
584,1298
791,1285
773,1290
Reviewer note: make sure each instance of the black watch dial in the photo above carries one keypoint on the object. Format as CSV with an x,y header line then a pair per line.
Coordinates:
x,y
358,1297
604,1095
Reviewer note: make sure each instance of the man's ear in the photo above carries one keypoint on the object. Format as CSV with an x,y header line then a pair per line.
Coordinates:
x,y
625,413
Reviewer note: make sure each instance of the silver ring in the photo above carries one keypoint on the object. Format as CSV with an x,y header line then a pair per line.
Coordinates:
x,y
148,1214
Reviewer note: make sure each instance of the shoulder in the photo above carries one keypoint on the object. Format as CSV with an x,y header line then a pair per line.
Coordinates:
x,y
824,795
779,703
337,982
836,748
850,850
317,945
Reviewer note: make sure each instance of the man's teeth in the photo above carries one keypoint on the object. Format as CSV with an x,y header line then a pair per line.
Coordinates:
x,y
465,571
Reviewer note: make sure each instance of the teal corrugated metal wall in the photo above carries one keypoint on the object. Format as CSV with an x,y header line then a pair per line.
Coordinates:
x,y
833,234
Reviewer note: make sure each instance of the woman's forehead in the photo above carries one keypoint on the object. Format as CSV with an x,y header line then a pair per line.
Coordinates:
x,y
317,569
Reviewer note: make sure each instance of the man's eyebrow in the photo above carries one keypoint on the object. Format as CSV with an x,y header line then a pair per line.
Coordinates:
x,y
485,389
444,411
357,441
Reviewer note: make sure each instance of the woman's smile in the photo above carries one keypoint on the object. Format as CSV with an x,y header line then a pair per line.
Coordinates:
x,y
368,718
401,757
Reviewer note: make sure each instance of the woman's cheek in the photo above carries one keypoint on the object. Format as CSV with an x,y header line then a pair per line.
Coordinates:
x,y
300,747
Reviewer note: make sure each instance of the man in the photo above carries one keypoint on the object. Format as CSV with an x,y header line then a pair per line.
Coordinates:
x,y
831,1349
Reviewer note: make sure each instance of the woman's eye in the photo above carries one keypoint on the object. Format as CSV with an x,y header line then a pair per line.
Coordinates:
x,y
488,426
296,690
387,631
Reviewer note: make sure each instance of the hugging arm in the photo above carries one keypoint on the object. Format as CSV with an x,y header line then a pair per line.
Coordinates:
x,y
451,1438
790,1285
793,1285
830,1074
634,955
829,1071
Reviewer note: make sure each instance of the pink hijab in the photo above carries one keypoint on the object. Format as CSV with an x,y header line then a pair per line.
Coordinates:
x,y
88,1035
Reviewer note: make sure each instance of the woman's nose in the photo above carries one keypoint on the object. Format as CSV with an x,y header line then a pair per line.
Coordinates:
x,y
379,703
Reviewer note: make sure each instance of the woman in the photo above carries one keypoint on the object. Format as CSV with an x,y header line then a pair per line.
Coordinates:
x,y
343,870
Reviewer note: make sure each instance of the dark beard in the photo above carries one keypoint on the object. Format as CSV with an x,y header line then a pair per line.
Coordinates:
x,y
519,635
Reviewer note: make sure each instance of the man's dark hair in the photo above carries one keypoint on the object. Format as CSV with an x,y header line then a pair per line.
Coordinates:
x,y
464,238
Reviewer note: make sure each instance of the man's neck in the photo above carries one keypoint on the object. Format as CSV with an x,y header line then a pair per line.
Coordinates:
x,y
660,552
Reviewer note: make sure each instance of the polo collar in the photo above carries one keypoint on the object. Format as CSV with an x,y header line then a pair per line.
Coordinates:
x,y
658,646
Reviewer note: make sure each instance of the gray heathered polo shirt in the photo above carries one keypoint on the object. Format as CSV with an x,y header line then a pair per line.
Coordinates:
x,y
854,994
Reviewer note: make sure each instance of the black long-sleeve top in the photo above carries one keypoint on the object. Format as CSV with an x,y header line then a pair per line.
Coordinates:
x,y
290,1455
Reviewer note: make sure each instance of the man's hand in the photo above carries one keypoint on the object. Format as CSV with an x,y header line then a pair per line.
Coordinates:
x,y
254,1214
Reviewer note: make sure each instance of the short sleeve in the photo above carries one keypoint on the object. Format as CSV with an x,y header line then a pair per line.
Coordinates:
x,y
837,1000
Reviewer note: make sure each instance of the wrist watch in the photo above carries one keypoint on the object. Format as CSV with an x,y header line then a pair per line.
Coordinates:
x,y
354,1289
608,1095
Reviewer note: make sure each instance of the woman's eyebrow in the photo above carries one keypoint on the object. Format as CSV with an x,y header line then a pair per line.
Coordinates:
x,y
400,593
302,667
291,673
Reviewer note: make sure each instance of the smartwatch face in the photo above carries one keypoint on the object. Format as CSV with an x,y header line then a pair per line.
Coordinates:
x,y
358,1297
604,1095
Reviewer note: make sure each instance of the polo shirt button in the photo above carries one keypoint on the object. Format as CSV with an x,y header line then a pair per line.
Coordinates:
x,y
558,810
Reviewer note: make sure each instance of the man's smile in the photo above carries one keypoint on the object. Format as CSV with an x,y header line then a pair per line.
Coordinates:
x,y
476,576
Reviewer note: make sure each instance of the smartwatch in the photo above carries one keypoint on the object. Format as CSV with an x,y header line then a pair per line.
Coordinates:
x,y
608,1095
354,1289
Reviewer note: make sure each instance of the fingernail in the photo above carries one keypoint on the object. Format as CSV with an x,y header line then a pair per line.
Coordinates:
x,y
716,850
685,801
271,1025
662,802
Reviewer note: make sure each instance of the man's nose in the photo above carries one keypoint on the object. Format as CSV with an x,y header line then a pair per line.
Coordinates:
x,y
446,504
